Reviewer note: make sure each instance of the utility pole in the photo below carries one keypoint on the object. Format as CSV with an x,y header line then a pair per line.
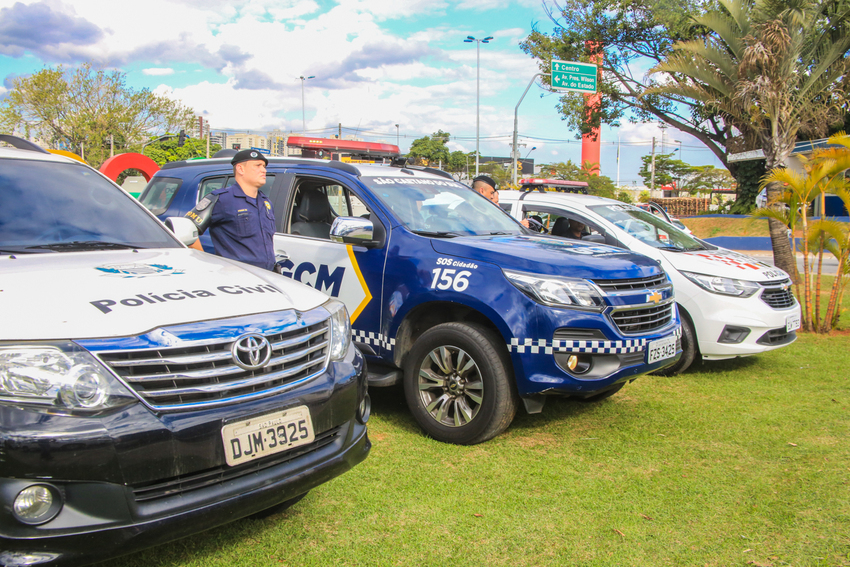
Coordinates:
x,y
516,134
618,158
652,186
111,146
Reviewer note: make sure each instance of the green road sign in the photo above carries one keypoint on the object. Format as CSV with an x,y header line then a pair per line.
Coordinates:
x,y
572,76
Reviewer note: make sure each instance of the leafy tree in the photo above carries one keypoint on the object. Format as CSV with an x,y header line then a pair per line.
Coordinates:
x,y
667,170
823,172
431,149
500,174
169,150
705,179
458,161
632,33
78,110
771,69
598,185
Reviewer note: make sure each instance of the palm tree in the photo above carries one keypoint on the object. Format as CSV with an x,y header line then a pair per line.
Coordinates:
x,y
771,70
822,172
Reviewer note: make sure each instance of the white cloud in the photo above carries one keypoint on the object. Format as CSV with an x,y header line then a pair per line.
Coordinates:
x,y
158,71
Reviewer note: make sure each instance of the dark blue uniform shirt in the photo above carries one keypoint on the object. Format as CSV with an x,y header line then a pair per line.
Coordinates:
x,y
243,228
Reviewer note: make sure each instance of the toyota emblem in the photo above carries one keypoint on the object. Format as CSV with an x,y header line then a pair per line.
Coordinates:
x,y
251,351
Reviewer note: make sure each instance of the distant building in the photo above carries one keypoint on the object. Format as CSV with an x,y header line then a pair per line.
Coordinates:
x,y
277,142
246,140
219,138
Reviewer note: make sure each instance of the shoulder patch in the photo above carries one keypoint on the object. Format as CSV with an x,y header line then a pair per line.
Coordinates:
x,y
204,203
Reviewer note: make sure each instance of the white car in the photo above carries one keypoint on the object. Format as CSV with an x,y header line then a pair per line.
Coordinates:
x,y
730,304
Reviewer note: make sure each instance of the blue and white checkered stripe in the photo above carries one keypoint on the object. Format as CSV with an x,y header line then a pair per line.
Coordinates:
x,y
373,339
542,346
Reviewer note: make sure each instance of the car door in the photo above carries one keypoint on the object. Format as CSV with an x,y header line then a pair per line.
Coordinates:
x,y
351,273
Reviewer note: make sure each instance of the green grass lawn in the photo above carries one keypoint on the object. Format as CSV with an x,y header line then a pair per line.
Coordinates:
x,y
742,462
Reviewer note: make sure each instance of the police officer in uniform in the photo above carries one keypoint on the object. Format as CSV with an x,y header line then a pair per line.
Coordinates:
x,y
240,217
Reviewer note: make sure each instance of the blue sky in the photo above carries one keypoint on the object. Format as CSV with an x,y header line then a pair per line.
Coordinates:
x,y
376,63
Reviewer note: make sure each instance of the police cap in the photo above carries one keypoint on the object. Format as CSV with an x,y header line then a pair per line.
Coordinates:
x,y
248,155
486,179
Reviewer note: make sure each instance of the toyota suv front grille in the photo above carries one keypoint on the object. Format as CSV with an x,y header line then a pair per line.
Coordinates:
x,y
219,373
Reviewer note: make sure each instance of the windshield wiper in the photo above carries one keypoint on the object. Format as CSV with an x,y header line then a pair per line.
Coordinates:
x,y
82,245
436,234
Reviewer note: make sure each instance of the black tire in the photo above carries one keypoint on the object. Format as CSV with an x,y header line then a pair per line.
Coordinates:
x,y
277,508
458,384
689,348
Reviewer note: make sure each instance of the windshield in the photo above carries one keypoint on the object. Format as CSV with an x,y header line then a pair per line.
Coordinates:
x,y
647,227
61,207
441,207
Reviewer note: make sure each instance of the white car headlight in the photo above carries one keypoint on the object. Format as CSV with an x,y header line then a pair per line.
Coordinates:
x,y
558,291
340,325
58,375
723,286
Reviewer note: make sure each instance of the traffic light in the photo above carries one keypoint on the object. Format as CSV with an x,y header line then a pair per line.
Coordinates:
x,y
181,139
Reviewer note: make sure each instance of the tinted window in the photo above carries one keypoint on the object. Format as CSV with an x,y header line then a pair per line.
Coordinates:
x,y
159,194
441,206
46,206
647,227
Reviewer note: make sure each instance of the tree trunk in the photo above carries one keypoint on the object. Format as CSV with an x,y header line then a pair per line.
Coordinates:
x,y
783,257
781,244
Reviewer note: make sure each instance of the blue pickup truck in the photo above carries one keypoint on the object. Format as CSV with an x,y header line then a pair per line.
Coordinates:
x,y
448,294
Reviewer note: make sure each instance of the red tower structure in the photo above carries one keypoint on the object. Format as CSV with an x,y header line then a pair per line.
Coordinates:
x,y
590,142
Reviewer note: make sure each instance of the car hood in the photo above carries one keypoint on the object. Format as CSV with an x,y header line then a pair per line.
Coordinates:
x,y
106,294
552,256
724,263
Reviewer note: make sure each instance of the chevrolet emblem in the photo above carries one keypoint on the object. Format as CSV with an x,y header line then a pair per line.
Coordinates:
x,y
653,297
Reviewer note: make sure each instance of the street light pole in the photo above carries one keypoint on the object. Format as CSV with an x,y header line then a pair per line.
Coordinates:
x,y
303,116
514,147
396,138
478,42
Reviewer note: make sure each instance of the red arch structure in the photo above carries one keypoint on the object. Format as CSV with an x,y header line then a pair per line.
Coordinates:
x,y
114,166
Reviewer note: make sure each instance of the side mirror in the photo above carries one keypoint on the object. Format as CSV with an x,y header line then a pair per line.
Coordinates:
x,y
353,230
184,229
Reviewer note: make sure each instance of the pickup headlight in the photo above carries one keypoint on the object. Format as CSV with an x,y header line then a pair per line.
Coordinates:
x,y
558,291
58,375
723,286
340,326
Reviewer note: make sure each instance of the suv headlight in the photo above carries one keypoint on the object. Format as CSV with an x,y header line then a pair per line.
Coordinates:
x,y
558,291
58,375
723,286
340,326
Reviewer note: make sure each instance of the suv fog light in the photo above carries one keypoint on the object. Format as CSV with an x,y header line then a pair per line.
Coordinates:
x,y
579,363
364,410
37,504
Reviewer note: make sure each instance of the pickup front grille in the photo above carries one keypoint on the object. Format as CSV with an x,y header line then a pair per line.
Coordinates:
x,y
632,284
194,377
642,320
